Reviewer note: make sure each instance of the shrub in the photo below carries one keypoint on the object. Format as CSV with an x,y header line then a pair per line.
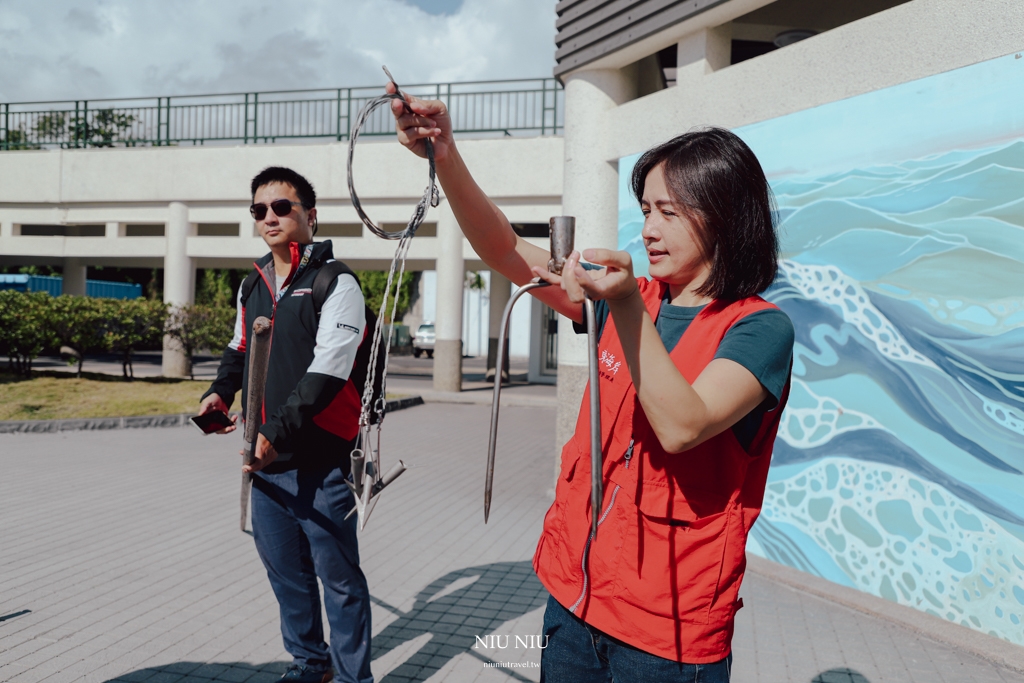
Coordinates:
x,y
78,322
25,327
131,324
373,284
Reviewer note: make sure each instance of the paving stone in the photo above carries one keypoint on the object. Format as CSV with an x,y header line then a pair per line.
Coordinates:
x,y
134,570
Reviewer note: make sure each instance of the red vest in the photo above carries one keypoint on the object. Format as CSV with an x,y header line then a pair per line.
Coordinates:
x,y
664,571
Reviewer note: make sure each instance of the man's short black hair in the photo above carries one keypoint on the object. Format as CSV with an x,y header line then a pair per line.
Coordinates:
x,y
280,174
716,179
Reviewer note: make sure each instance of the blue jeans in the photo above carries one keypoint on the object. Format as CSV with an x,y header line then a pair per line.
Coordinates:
x,y
300,532
579,653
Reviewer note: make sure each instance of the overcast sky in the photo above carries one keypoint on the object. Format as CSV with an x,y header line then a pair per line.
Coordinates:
x,y
68,49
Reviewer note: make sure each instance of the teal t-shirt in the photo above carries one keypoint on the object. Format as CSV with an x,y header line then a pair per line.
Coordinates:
x,y
762,342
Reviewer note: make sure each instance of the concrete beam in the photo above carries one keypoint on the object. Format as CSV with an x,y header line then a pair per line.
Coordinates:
x,y
74,277
451,271
591,194
179,283
500,293
702,53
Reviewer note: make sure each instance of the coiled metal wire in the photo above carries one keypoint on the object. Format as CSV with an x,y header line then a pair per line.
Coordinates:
x,y
431,196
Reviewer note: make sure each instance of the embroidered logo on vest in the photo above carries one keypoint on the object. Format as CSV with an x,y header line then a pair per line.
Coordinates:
x,y
609,362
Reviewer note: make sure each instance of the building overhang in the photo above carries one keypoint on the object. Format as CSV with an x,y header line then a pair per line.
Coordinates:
x,y
596,35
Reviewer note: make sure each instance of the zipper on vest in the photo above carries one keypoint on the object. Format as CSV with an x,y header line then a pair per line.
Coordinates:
x,y
586,548
586,552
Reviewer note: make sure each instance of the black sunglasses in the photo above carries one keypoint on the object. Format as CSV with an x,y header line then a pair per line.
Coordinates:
x,y
281,208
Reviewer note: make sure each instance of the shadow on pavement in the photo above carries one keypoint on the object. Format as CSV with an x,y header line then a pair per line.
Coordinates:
x,y
198,672
14,614
453,610
843,675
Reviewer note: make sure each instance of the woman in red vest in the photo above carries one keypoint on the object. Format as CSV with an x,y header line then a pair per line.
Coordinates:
x,y
694,378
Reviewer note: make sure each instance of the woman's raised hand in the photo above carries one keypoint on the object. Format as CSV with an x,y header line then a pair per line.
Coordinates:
x,y
614,281
429,120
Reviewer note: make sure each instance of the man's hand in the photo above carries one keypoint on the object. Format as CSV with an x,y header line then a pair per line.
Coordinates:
x,y
264,455
215,402
614,281
429,120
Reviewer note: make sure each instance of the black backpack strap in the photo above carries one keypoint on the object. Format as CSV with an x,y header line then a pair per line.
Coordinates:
x,y
328,273
247,286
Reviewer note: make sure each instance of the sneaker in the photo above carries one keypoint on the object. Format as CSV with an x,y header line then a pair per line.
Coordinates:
x,y
304,674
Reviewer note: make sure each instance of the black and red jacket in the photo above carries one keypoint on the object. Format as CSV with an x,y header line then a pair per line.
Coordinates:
x,y
318,361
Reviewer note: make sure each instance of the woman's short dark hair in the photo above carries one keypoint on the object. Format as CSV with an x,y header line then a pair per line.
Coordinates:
x,y
716,179
280,174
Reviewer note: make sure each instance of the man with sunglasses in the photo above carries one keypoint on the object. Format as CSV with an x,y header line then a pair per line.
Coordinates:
x,y
310,414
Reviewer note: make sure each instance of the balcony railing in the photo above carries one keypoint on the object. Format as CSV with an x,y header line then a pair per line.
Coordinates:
x,y
512,107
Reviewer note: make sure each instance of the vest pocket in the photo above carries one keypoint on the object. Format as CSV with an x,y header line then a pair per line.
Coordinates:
x,y
672,565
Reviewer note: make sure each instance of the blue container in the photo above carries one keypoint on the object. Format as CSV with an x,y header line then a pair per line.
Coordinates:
x,y
112,290
42,283
16,282
54,286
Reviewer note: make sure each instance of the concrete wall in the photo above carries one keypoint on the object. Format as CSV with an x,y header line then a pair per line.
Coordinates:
x,y
822,94
894,46
136,186
898,45
184,189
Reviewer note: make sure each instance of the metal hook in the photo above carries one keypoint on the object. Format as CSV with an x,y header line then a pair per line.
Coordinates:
x,y
367,482
563,236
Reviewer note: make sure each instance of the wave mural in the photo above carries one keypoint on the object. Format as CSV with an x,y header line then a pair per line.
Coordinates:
x,y
899,466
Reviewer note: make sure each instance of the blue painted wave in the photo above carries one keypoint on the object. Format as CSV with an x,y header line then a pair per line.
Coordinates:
x,y
905,283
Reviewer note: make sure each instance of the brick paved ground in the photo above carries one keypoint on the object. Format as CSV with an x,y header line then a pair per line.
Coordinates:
x,y
120,559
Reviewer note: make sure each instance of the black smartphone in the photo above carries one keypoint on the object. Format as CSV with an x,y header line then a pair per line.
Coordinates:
x,y
212,422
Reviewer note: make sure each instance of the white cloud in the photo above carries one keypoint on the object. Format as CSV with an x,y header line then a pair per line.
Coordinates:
x,y
68,49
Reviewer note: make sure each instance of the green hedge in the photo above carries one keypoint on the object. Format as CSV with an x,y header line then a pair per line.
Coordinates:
x,y
31,323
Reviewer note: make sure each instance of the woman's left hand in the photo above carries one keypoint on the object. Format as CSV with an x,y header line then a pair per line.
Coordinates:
x,y
614,281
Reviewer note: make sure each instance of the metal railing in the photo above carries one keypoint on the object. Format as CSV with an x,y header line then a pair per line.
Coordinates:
x,y
511,107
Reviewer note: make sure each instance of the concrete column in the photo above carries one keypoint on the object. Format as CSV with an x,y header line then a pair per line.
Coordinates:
x,y
590,193
501,291
448,326
179,283
114,230
6,229
246,229
74,277
703,52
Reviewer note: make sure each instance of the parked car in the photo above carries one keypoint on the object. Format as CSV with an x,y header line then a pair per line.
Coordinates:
x,y
423,342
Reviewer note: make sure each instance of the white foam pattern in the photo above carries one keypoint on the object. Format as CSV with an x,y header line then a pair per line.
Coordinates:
x,y
999,413
829,285
908,540
807,427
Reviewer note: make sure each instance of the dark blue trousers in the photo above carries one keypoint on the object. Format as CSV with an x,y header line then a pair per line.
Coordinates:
x,y
577,652
298,523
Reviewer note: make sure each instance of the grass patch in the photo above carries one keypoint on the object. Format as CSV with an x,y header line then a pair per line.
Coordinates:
x,y
62,396
59,396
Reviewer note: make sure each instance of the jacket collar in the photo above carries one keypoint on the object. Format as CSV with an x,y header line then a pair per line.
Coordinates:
x,y
317,254
322,252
